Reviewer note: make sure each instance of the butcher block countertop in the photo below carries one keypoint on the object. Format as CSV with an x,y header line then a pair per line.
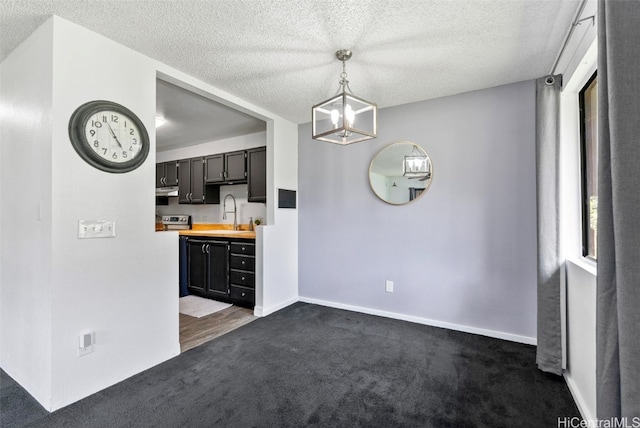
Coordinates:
x,y
219,231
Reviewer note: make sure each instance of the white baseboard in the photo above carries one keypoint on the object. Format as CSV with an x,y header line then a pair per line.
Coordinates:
x,y
425,321
261,311
586,413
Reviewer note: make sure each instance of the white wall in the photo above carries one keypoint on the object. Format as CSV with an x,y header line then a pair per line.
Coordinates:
x,y
277,265
121,288
463,255
581,336
213,213
25,228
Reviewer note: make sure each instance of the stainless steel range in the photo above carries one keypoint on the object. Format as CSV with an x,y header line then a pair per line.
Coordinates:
x,y
176,222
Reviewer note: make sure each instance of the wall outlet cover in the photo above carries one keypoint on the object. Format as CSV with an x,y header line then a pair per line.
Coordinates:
x,y
85,343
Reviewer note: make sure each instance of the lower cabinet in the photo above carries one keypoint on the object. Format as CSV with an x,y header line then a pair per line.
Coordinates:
x,y
242,268
222,269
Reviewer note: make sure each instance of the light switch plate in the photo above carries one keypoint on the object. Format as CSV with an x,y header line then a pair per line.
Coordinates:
x,y
88,229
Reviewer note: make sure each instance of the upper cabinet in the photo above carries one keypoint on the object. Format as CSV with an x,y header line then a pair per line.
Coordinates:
x,y
167,174
226,168
191,184
214,168
235,167
257,175
199,179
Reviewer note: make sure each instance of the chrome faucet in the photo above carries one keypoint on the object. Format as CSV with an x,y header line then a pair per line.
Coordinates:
x,y
224,212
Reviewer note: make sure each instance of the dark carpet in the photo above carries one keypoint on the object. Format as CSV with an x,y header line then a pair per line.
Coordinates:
x,y
309,365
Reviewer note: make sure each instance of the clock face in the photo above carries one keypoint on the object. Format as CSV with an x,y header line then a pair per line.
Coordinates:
x,y
113,136
109,136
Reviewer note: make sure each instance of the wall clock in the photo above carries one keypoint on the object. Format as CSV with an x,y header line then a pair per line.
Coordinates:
x,y
109,136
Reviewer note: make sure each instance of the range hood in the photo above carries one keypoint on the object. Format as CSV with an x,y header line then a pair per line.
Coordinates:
x,y
167,191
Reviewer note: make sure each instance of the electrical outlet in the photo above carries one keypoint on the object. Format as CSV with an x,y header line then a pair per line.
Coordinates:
x,y
388,286
85,343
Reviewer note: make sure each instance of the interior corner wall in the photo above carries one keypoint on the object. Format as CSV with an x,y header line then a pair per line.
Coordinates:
x,y
463,255
124,288
25,226
277,265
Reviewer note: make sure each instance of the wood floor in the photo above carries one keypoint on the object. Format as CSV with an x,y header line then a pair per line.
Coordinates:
x,y
196,331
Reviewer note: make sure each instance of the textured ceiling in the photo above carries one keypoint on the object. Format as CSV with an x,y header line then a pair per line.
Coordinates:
x,y
279,54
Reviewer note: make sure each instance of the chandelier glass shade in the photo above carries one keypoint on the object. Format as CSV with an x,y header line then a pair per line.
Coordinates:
x,y
344,118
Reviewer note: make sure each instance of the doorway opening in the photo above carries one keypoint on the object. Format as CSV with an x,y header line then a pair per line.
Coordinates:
x,y
191,128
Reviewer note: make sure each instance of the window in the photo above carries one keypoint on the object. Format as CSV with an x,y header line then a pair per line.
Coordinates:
x,y
588,99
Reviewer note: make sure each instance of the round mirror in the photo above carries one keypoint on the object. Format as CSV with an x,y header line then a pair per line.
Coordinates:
x,y
400,173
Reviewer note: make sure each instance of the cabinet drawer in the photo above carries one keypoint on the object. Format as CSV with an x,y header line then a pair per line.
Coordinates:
x,y
242,295
245,279
243,248
242,262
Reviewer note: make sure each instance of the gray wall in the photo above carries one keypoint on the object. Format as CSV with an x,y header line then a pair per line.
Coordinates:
x,y
464,254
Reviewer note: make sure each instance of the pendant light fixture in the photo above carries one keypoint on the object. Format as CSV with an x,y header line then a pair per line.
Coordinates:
x,y
416,164
344,118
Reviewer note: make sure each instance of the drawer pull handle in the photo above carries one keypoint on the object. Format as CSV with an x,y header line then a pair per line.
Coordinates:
x,y
243,293
243,278
243,262
242,248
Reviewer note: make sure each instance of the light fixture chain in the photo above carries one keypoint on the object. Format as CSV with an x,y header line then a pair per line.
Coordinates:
x,y
344,83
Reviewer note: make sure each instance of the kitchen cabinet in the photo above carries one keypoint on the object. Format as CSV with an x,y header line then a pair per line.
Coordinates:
x,y
167,174
226,168
191,183
235,167
257,175
242,273
214,168
199,179
222,269
208,268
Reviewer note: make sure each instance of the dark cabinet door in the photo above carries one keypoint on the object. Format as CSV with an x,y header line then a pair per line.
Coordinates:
x,y
184,181
218,276
191,185
235,167
159,175
197,181
171,173
257,175
167,174
242,296
197,266
214,168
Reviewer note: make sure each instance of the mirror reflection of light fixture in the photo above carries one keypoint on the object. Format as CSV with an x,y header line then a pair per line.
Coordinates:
x,y
334,120
415,164
386,174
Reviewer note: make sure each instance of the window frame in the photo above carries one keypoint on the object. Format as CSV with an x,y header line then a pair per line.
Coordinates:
x,y
584,197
